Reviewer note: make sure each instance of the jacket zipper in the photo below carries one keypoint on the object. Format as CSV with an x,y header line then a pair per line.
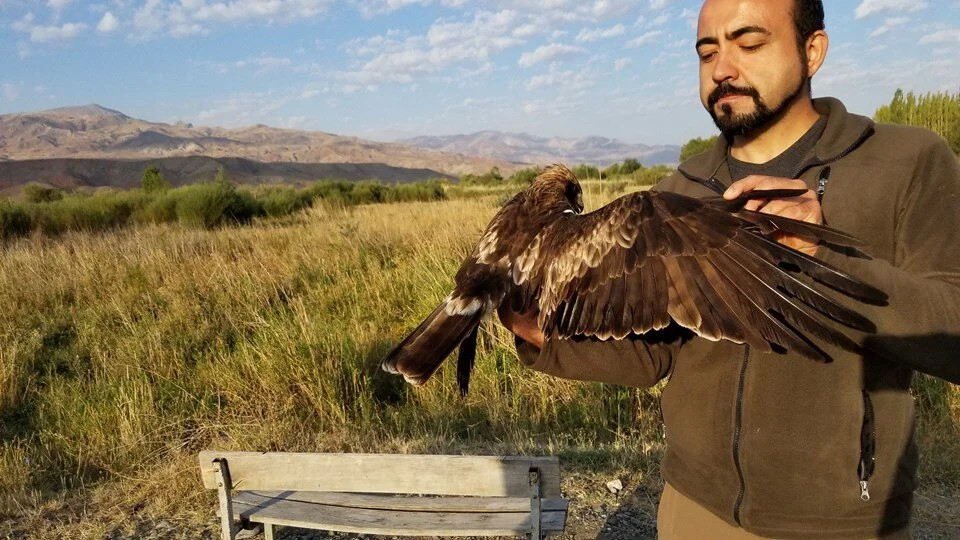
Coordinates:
x,y
736,434
868,443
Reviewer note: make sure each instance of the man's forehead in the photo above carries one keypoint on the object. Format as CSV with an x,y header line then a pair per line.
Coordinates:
x,y
720,17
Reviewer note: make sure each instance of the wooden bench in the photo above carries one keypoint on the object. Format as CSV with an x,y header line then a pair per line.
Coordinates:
x,y
419,495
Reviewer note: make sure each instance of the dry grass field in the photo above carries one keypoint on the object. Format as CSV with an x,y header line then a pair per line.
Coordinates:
x,y
123,354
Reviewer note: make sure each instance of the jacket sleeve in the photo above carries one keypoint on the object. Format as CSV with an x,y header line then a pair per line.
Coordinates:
x,y
921,324
629,362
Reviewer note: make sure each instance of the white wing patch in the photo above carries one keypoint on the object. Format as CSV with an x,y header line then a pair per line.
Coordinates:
x,y
463,306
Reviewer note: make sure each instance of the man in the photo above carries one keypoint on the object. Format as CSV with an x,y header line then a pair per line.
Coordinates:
x,y
765,445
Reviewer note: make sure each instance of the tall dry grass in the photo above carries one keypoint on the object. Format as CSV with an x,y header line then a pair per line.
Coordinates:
x,y
123,354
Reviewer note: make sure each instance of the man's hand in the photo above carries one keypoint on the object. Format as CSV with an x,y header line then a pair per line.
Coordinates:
x,y
523,325
803,208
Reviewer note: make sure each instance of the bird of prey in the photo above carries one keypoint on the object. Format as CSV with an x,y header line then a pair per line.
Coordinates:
x,y
644,262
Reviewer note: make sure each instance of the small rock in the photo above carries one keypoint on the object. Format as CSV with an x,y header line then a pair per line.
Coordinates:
x,y
615,486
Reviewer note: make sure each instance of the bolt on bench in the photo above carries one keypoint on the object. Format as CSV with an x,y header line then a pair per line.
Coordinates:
x,y
417,495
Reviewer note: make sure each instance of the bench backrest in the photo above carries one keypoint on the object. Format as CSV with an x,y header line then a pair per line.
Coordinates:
x,y
478,476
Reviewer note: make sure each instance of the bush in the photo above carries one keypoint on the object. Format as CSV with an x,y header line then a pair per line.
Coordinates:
x,y
153,180
629,166
161,209
283,201
491,178
525,176
81,213
696,146
584,171
14,222
652,175
210,205
430,190
37,193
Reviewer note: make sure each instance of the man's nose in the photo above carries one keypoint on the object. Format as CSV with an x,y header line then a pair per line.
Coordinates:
x,y
725,68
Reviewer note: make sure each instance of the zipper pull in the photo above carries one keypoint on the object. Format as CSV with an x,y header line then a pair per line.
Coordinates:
x,y
822,183
864,491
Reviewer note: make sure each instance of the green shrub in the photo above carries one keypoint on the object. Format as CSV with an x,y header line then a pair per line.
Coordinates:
x,y
161,209
429,190
525,176
491,178
82,213
284,201
37,193
584,172
612,170
629,166
696,146
210,205
153,180
14,222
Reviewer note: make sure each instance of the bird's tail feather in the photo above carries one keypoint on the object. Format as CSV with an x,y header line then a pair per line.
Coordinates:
x,y
419,355
465,360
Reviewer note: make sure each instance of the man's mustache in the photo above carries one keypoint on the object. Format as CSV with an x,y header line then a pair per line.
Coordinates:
x,y
725,89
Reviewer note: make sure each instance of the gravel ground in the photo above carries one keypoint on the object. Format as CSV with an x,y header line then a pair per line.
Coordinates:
x,y
594,513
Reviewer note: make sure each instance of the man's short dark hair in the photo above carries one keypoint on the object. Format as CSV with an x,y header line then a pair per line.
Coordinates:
x,y
807,18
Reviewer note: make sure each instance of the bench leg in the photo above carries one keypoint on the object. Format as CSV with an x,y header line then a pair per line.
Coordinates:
x,y
268,531
222,473
535,516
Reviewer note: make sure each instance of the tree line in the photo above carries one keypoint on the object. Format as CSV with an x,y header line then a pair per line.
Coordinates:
x,y
938,111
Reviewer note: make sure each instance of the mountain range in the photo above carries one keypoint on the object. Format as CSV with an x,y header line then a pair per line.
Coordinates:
x,y
95,146
525,148
92,131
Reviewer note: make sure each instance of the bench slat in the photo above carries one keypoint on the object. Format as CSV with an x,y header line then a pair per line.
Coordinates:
x,y
360,520
415,504
484,476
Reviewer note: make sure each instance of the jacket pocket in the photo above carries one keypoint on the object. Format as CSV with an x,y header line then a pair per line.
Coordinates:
x,y
868,447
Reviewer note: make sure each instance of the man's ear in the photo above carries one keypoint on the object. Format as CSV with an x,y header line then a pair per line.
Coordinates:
x,y
816,47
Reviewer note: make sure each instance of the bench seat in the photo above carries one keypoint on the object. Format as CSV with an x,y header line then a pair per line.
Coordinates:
x,y
392,515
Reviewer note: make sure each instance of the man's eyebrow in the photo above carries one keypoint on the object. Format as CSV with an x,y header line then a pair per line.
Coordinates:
x,y
747,30
739,32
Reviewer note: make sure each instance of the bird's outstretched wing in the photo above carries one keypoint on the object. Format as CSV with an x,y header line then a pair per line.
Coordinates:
x,y
651,259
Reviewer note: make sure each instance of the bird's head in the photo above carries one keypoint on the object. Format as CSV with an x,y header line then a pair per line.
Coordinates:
x,y
557,187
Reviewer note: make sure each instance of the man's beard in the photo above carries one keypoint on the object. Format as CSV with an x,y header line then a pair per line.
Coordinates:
x,y
737,125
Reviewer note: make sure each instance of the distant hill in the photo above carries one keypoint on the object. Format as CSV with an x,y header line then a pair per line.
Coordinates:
x,y
524,148
76,173
95,132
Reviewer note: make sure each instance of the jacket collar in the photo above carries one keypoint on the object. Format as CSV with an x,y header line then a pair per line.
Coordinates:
x,y
844,133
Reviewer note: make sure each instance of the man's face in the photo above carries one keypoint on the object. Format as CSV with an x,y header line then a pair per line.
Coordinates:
x,y
750,66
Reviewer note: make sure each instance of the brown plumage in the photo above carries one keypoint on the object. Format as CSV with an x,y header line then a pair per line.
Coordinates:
x,y
645,262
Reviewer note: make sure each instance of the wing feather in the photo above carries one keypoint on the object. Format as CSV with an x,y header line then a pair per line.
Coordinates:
x,y
649,259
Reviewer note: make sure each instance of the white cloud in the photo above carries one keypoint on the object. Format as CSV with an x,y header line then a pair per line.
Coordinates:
x,y
58,4
42,34
568,79
660,20
399,58
188,17
108,23
546,52
871,7
943,36
594,34
621,63
645,39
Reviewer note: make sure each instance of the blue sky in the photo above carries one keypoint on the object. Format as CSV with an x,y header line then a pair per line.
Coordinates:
x,y
390,68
